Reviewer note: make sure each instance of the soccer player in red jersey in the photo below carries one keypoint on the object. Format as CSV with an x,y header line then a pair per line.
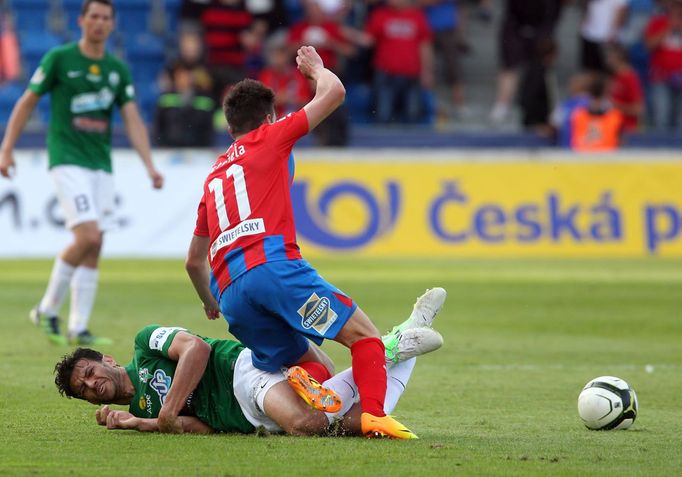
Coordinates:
x,y
273,300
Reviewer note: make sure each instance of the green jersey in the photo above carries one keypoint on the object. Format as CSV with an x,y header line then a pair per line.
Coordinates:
x,y
83,92
213,400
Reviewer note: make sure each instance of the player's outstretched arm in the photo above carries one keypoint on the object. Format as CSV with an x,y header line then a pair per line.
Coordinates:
x,y
197,269
20,113
114,419
191,353
329,91
137,133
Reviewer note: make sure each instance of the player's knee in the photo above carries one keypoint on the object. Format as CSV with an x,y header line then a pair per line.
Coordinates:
x,y
90,240
308,424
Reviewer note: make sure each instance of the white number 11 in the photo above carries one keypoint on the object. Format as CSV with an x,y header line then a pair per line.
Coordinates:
x,y
243,205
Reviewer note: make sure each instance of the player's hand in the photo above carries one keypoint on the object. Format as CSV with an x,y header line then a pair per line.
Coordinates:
x,y
7,164
169,423
121,420
212,312
157,179
101,415
308,61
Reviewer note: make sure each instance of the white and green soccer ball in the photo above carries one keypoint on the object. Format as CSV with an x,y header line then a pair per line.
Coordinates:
x,y
607,403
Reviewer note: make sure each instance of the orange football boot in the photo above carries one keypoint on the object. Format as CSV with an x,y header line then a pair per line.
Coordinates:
x,y
312,392
386,426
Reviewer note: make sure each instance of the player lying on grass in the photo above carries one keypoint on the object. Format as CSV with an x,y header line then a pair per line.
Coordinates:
x,y
208,385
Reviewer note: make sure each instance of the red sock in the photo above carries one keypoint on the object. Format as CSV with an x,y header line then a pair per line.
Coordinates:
x,y
318,371
369,373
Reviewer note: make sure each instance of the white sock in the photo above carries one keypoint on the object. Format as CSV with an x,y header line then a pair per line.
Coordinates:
x,y
398,376
83,291
343,384
57,288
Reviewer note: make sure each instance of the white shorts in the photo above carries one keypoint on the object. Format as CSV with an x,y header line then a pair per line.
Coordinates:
x,y
250,387
85,195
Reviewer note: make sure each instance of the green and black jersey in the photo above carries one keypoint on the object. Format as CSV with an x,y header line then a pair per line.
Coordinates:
x,y
83,92
213,400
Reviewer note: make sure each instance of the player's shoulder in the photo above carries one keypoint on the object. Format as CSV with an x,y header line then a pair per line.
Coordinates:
x,y
63,51
154,336
115,61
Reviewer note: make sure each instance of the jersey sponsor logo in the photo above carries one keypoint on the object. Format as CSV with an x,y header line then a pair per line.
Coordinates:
x,y
145,404
317,313
160,335
248,227
38,76
114,79
92,125
161,383
94,73
74,74
87,102
144,375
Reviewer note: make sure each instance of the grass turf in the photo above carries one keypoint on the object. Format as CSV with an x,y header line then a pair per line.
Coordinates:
x,y
521,339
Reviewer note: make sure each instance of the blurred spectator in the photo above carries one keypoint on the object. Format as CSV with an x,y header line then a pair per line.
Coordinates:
x,y
184,113
638,14
326,34
292,90
537,95
403,60
596,127
523,25
10,61
271,12
601,25
578,96
323,32
626,89
664,39
230,34
444,20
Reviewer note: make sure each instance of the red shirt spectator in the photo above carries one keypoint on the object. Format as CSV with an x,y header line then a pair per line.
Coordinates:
x,y
292,90
223,23
666,57
326,37
398,34
626,92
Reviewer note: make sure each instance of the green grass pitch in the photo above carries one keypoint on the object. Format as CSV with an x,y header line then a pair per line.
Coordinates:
x,y
521,339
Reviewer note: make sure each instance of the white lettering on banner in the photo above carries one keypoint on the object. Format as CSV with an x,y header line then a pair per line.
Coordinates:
x,y
248,227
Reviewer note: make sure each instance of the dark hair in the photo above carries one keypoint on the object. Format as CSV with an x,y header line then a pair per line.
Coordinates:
x,y
598,86
247,104
86,4
64,369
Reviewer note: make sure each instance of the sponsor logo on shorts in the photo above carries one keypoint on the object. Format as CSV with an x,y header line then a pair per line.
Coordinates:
x,y
161,383
317,313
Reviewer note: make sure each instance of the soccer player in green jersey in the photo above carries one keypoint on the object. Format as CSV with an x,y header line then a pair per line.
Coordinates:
x,y
84,83
181,382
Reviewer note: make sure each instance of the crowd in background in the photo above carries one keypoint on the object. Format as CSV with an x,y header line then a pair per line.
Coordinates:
x,y
393,55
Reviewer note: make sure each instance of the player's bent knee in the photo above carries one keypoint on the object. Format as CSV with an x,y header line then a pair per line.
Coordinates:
x,y
308,424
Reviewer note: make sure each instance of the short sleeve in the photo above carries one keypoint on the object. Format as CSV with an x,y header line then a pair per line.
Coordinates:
x,y
156,339
45,76
201,228
126,90
289,129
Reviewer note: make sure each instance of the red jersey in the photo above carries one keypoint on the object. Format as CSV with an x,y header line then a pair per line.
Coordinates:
x,y
246,207
666,60
398,35
626,89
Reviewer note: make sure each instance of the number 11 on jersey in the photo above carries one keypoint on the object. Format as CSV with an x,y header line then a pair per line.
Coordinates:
x,y
243,206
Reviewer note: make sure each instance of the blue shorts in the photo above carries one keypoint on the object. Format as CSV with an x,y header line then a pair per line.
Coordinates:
x,y
275,306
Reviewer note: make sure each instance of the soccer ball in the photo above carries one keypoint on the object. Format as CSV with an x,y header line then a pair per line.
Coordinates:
x,y
607,403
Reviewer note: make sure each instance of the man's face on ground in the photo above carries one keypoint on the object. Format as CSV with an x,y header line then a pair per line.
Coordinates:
x,y
96,382
97,22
